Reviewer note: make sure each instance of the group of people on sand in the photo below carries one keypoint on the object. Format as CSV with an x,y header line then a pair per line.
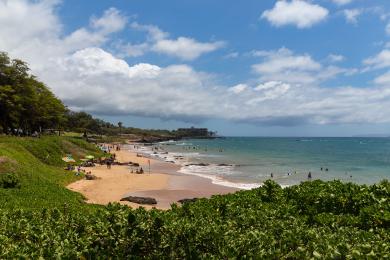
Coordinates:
x,y
107,148
137,171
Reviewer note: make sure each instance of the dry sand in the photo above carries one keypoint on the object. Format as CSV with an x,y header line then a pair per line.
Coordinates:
x,y
163,183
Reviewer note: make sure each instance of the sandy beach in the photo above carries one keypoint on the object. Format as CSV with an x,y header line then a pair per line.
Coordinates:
x,y
163,183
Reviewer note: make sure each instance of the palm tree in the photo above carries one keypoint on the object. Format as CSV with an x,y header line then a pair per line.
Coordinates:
x,y
120,127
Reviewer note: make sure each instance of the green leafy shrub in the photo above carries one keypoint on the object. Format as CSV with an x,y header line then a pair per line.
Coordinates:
x,y
264,223
9,181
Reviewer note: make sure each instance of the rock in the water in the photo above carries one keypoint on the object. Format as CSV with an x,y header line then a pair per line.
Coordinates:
x,y
140,200
182,201
224,164
198,164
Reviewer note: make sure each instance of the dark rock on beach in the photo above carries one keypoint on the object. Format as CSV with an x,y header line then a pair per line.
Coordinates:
x,y
140,200
90,177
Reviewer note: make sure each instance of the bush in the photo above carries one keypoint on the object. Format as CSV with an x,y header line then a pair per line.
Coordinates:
x,y
264,223
9,181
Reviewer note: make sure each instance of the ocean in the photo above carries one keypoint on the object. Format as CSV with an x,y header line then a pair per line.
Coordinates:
x,y
246,162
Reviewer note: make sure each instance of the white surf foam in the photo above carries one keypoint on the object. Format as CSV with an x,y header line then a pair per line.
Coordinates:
x,y
215,173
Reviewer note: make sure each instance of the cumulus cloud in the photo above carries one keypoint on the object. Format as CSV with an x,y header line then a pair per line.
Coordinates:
x,y
269,90
238,88
383,79
377,62
87,77
131,50
381,60
183,47
154,33
351,15
283,60
111,21
284,65
336,58
300,13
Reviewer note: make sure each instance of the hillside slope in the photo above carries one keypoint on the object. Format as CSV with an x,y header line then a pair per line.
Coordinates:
x,y
37,164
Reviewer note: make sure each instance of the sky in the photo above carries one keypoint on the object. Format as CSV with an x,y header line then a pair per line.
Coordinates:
x,y
242,68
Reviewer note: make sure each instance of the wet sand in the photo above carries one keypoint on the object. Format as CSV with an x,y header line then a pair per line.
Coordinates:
x,y
163,183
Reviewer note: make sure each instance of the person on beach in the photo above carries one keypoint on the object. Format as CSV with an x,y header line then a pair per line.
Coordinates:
x,y
309,176
272,175
108,162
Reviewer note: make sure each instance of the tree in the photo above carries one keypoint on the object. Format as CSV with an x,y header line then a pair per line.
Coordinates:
x,y
26,104
120,127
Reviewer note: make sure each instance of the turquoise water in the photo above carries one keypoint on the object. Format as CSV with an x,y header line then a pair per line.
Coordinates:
x,y
252,160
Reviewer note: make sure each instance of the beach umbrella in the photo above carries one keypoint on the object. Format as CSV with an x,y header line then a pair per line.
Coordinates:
x,y
68,159
90,157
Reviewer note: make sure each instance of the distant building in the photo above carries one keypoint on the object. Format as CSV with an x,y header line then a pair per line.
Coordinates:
x,y
195,132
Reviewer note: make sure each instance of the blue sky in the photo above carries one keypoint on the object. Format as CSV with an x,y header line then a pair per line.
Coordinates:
x,y
273,68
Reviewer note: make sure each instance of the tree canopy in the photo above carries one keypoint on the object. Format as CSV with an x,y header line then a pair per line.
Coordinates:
x,y
26,104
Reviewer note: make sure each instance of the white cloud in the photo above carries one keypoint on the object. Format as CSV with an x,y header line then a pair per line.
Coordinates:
x,y
89,78
284,65
232,55
351,15
269,90
183,47
238,88
154,33
284,60
387,29
296,12
342,2
381,60
131,50
383,79
336,58
111,21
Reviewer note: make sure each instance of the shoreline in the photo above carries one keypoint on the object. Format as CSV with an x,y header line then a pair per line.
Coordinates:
x,y
164,183
184,164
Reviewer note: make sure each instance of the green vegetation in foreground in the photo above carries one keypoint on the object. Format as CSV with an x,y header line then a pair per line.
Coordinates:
x,y
36,164
41,218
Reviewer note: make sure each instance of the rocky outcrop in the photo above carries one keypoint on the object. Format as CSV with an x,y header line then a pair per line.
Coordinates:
x,y
140,200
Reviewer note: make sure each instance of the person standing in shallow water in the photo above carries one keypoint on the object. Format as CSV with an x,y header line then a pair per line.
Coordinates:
x,y
309,176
